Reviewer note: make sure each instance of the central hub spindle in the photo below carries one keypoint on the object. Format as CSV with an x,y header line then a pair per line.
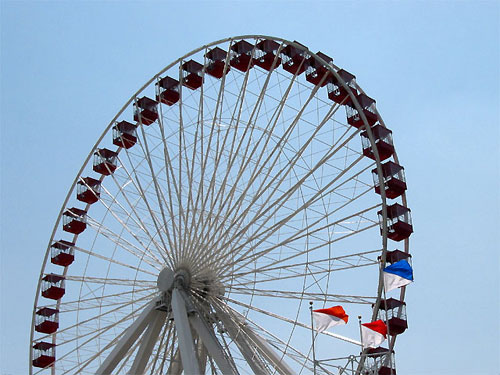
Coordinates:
x,y
168,279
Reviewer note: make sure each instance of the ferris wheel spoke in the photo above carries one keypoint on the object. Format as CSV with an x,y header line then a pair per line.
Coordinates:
x,y
305,231
198,221
288,320
286,194
311,228
267,345
175,363
293,275
200,225
209,192
193,203
73,337
324,265
152,366
163,348
138,186
136,218
146,257
278,202
124,222
300,233
257,354
185,207
170,181
114,261
95,302
102,305
147,343
248,256
285,171
111,281
294,295
160,199
93,332
127,356
100,332
180,205
257,171
247,133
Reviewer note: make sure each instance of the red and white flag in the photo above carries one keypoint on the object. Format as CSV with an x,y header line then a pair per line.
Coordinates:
x,y
373,334
326,318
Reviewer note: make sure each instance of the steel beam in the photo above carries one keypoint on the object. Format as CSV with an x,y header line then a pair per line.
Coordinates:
x,y
202,356
267,352
213,346
237,335
149,340
186,344
131,334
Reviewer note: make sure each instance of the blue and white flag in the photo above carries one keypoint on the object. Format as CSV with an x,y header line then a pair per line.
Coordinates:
x,y
397,275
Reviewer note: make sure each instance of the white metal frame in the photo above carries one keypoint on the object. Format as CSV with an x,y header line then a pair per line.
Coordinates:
x,y
197,187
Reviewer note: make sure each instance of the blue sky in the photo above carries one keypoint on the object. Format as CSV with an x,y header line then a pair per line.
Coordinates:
x,y
433,67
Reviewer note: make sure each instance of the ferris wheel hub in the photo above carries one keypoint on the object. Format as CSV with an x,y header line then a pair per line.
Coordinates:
x,y
168,279
165,280
182,278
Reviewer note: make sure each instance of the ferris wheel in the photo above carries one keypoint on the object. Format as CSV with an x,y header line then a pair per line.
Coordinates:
x,y
245,180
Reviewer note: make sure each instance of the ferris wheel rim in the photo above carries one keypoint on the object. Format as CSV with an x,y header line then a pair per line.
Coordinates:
x,y
147,84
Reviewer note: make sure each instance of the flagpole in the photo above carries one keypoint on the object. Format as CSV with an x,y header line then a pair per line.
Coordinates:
x,y
312,336
362,358
389,341
360,332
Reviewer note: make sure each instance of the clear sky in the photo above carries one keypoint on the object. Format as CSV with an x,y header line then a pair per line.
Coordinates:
x,y
67,67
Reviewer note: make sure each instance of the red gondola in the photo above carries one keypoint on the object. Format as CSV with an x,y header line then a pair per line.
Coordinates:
x,y
241,55
337,92
383,142
105,161
44,354
53,286
368,106
167,91
399,226
88,190
295,60
397,255
393,313
266,54
74,220
47,320
216,62
62,253
192,74
394,179
145,110
124,134
380,361
317,72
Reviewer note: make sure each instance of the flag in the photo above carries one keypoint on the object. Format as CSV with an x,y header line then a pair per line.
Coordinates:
x,y
397,275
326,318
373,334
